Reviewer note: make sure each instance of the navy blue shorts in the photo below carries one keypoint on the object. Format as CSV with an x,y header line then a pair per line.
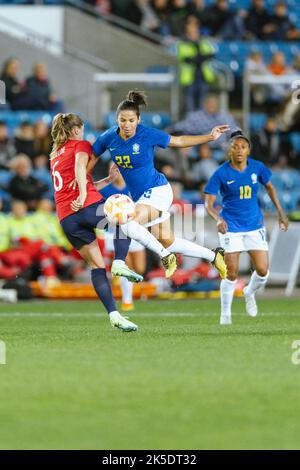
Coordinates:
x,y
80,226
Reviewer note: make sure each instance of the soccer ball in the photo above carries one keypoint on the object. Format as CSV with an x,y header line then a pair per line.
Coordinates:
x,y
119,209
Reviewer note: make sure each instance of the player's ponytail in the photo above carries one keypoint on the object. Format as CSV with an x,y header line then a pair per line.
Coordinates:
x,y
61,130
133,101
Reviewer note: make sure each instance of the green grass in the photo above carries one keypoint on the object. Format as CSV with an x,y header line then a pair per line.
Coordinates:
x,y
181,382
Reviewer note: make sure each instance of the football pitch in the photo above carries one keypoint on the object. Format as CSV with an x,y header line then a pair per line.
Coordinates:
x,y
182,382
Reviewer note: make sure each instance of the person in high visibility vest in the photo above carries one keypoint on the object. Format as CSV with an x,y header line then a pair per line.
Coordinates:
x,y
195,70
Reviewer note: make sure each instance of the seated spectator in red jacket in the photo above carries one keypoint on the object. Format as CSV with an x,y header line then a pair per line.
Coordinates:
x,y
278,66
39,87
23,186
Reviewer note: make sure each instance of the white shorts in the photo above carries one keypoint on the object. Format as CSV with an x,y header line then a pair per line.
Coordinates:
x,y
244,241
109,244
161,198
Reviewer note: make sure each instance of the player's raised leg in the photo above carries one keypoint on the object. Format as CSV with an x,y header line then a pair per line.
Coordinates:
x,y
258,279
92,255
135,230
163,232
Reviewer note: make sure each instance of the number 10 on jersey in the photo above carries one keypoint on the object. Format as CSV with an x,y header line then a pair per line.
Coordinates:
x,y
245,192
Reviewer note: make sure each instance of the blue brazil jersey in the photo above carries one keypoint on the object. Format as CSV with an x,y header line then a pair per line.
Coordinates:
x,y
135,156
239,192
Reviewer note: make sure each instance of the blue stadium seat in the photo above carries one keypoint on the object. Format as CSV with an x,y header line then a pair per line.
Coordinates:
x,y
257,121
295,140
277,181
289,200
5,177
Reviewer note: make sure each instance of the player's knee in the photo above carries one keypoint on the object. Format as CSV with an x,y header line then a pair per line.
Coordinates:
x,y
167,242
262,271
232,273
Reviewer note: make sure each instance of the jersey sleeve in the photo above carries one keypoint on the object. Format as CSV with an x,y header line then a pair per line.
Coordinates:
x,y
264,174
84,146
213,185
158,138
100,144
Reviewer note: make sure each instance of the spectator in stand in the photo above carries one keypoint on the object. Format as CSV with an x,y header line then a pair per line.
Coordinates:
x,y
39,88
178,17
12,261
281,28
7,148
23,186
277,67
162,11
202,167
255,65
222,21
203,120
29,238
127,9
47,226
269,146
24,139
15,89
16,92
258,20
195,74
196,8
42,138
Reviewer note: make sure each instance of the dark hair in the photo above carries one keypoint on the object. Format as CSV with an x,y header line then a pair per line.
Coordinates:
x,y
238,134
133,101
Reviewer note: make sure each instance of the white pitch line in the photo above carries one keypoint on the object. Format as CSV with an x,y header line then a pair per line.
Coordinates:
x,y
137,314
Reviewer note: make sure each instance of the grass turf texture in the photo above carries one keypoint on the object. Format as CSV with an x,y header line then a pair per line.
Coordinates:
x,y
181,382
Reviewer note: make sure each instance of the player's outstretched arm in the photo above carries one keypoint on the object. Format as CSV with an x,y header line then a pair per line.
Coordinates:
x,y
209,206
183,141
113,174
282,218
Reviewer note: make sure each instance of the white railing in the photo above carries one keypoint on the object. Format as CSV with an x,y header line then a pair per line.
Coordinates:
x,y
168,79
268,79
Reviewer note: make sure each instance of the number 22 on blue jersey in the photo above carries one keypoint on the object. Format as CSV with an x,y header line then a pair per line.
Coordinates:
x,y
123,161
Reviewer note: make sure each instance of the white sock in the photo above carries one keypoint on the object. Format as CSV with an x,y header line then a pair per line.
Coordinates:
x,y
126,288
256,282
187,248
119,262
139,233
227,291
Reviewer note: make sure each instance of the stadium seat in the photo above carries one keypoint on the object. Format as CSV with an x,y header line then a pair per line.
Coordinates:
x,y
257,121
5,177
295,141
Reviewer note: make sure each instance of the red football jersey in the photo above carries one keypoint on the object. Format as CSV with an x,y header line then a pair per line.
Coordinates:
x,y
62,168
